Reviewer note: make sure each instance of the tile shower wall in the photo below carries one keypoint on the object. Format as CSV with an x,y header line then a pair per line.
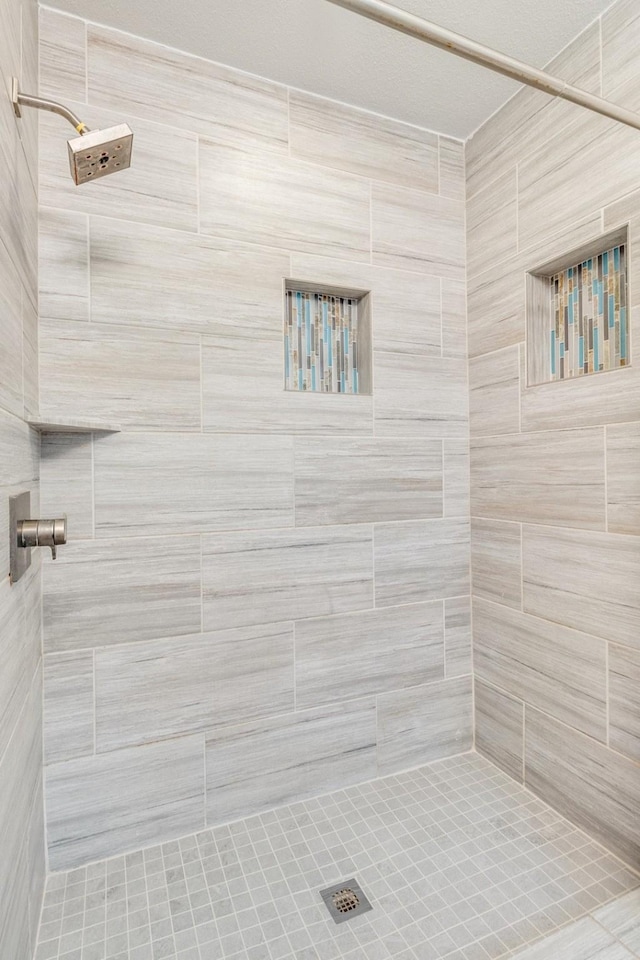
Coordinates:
x,y
22,864
264,589
555,468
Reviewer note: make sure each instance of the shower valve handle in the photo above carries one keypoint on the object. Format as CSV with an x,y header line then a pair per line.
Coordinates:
x,y
42,533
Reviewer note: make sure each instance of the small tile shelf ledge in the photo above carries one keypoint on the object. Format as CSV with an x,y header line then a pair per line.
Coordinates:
x,y
47,424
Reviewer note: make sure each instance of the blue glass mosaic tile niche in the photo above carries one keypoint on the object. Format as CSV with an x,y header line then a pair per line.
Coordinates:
x,y
589,315
324,343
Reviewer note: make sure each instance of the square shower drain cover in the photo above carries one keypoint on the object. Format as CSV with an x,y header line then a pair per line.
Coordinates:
x,y
345,900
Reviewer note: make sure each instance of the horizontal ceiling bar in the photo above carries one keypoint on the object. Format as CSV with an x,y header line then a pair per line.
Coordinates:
x,y
460,46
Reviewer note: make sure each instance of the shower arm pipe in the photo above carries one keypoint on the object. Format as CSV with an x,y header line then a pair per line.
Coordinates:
x,y
26,100
460,46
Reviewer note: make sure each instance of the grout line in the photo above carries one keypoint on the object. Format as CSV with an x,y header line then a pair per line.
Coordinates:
x,y
607,694
93,488
371,230
524,742
521,525
606,483
86,61
200,369
201,547
601,53
93,671
199,231
295,668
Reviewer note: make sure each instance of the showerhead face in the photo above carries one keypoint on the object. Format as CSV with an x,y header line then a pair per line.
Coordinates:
x,y
100,152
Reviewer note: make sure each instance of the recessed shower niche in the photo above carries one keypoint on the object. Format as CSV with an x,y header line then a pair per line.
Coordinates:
x,y
577,312
327,339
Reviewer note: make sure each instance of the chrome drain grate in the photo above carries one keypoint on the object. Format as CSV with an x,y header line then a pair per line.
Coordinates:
x,y
345,900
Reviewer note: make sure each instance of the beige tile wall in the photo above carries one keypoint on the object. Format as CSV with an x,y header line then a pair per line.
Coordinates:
x,y
22,862
263,590
555,469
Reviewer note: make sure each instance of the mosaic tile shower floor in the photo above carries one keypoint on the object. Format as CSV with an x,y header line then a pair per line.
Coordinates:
x,y
458,860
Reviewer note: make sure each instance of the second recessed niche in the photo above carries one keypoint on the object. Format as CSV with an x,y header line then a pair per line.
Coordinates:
x,y
577,312
327,339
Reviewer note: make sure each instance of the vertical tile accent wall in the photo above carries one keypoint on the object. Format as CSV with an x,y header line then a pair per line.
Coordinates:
x,y
240,548
555,466
589,307
22,863
323,342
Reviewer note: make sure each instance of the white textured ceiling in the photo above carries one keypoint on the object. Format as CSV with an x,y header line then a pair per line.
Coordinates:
x,y
318,47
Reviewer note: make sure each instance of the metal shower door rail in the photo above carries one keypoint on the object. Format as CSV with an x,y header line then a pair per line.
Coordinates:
x,y
460,46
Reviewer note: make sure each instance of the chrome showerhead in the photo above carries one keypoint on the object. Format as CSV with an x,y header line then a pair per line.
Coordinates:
x,y
100,152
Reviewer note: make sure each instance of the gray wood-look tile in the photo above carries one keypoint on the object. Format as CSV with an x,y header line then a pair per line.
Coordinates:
x,y
492,223
104,805
496,308
108,592
405,306
249,194
622,919
146,379
66,481
454,318
585,580
494,393
214,101
457,637
424,723
406,312
20,787
623,483
420,396
496,561
256,766
30,379
358,655
364,143
366,481
624,700
594,787
68,706
456,478
15,676
421,560
63,47
583,401
160,187
11,342
452,179
499,726
165,688
285,575
413,230
243,392
168,278
554,478
19,209
63,265
604,399
551,667
175,482
528,116
545,203
582,940
496,303
620,30
19,451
